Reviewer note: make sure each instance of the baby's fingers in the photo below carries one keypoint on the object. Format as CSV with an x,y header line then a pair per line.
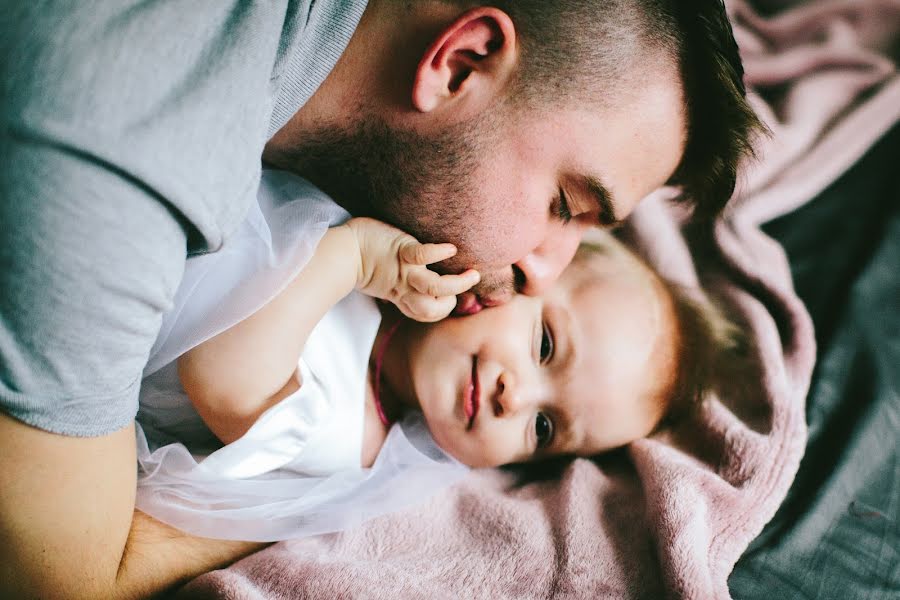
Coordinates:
x,y
427,309
431,284
415,253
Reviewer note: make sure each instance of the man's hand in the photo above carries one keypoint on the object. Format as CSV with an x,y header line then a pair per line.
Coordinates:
x,y
394,266
68,524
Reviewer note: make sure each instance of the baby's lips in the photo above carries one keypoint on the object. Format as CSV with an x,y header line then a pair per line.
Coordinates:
x,y
497,300
467,303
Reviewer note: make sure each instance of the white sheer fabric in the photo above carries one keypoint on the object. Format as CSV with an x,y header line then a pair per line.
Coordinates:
x,y
296,472
269,248
282,504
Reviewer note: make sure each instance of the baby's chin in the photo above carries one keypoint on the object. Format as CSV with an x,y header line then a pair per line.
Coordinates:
x,y
466,458
440,438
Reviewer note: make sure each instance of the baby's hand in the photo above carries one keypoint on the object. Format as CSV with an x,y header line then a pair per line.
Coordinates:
x,y
393,266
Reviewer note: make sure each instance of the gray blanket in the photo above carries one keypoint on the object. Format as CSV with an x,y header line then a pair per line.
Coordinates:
x,y
838,533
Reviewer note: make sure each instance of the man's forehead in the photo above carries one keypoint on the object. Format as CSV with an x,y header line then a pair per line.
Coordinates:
x,y
631,150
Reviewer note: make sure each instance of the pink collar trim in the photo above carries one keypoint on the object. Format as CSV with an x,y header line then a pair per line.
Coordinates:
x,y
379,362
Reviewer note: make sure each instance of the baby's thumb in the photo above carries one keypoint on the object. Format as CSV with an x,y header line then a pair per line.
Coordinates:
x,y
431,309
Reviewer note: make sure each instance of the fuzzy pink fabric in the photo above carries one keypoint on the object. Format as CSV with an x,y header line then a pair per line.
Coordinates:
x,y
669,516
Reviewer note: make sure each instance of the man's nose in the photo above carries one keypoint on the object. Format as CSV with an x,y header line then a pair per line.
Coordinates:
x,y
541,267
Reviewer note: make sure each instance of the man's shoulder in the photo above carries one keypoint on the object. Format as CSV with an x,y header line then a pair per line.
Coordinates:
x,y
175,97
147,53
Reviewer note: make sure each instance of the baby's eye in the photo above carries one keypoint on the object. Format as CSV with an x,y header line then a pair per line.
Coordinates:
x,y
543,430
546,344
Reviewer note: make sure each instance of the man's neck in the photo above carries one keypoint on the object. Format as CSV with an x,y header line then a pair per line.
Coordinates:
x,y
373,77
345,96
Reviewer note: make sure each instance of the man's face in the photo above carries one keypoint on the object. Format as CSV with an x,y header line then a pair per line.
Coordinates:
x,y
500,187
593,168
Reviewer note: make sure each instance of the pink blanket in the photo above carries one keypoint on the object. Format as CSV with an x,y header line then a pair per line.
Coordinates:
x,y
666,517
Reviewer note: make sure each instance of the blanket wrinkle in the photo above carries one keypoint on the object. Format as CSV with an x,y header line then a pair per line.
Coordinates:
x,y
823,77
667,516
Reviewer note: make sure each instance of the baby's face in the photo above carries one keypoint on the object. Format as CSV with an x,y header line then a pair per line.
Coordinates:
x,y
580,370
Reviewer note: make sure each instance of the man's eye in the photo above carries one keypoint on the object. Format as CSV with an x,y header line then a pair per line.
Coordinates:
x,y
546,344
563,213
543,430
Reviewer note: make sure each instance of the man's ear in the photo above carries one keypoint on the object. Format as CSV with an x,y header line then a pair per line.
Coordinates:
x,y
469,63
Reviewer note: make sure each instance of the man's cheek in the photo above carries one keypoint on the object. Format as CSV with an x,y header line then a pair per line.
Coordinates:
x,y
453,265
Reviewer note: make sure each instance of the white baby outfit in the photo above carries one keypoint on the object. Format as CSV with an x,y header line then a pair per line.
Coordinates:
x,y
297,470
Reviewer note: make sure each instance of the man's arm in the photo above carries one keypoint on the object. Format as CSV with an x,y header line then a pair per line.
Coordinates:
x,y
125,135
68,523
89,263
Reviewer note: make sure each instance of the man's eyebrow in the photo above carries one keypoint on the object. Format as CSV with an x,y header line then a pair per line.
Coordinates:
x,y
604,202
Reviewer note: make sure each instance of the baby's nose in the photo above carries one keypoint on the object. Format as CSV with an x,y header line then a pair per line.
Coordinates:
x,y
507,398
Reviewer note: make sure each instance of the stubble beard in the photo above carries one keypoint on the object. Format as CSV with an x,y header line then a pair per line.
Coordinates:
x,y
422,185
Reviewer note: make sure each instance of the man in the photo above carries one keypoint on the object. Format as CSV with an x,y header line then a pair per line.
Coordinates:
x,y
132,139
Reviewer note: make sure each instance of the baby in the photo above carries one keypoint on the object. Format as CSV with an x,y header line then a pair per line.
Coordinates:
x,y
598,361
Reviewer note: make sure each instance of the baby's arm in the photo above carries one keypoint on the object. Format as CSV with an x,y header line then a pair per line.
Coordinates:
x,y
235,376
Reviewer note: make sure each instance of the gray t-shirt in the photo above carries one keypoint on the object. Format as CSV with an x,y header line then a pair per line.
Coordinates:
x,y
132,134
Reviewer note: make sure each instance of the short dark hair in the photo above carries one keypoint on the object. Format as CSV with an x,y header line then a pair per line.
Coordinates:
x,y
585,50
721,124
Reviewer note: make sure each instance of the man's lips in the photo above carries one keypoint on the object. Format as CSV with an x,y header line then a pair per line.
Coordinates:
x,y
473,392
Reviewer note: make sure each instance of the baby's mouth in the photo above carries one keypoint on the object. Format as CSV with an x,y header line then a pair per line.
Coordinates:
x,y
472,393
468,304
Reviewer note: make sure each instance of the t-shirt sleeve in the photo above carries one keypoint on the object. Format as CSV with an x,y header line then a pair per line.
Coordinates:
x,y
131,134
83,285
